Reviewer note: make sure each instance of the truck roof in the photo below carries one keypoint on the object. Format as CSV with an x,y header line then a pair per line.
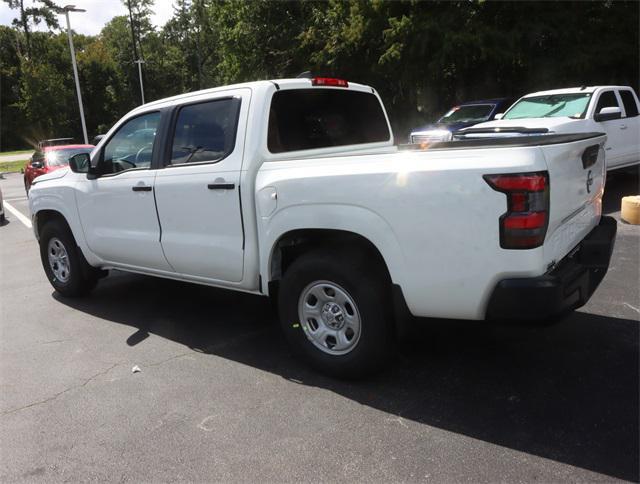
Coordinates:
x,y
484,101
574,90
297,83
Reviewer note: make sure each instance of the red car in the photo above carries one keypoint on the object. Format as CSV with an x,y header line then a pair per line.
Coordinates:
x,y
50,158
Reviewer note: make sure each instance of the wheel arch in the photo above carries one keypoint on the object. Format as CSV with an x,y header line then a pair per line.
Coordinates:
x,y
44,216
294,243
341,226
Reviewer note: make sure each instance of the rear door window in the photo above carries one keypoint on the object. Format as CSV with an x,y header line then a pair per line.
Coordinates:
x,y
304,119
630,105
205,132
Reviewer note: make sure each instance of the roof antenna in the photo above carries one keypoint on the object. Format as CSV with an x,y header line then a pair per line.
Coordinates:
x,y
582,88
305,75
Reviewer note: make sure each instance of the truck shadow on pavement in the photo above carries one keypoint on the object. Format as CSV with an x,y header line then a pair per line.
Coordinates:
x,y
568,392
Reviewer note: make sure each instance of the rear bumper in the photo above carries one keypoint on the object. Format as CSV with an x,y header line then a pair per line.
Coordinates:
x,y
567,286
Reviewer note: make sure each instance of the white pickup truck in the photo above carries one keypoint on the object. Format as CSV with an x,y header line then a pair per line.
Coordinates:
x,y
613,110
294,189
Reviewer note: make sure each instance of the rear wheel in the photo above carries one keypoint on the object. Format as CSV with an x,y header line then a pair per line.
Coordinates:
x,y
66,268
336,314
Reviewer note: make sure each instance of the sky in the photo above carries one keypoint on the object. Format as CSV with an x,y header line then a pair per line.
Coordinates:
x,y
98,13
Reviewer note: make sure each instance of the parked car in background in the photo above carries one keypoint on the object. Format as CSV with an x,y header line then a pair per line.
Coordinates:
x,y
50,158
53,142
458,117
607,109
295,189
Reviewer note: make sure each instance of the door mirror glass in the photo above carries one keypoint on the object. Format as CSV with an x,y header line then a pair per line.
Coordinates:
x,y
607,114
498,116
80,163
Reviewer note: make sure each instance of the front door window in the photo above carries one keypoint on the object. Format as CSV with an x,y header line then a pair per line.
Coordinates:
x,y
132,146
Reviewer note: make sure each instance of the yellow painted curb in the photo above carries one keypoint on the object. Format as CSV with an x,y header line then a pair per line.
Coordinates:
x,y
631,209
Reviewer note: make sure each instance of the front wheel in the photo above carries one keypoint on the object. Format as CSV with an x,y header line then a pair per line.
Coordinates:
x,y
63,262
335,313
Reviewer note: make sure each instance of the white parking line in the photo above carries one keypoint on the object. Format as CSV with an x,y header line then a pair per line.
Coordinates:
x,y
18,215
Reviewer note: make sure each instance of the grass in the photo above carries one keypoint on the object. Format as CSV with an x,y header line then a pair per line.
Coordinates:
x,y
11,166
19,152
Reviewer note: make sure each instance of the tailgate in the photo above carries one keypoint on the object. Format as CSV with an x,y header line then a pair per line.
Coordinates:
x,y
576,182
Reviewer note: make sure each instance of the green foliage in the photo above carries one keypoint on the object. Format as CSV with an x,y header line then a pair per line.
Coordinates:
x,y
421,56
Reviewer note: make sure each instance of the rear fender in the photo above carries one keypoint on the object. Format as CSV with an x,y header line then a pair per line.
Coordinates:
x,y
347,218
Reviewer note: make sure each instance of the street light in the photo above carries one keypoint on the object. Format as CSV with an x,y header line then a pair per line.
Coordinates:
x,y
67,9
137,59
140,62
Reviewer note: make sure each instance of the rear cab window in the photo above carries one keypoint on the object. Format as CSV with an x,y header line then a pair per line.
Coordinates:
x,y
305,119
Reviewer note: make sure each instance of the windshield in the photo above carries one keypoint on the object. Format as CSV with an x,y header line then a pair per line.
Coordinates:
x,y
61,157
550,106
464,114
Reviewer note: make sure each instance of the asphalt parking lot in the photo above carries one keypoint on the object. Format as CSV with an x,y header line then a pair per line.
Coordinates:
x,y
219,398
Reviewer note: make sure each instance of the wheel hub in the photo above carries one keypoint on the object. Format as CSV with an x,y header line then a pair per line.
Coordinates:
x,y
333,315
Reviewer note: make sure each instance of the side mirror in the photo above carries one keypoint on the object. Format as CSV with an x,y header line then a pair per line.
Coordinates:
x,y
37,164
498,116
607,114
80,163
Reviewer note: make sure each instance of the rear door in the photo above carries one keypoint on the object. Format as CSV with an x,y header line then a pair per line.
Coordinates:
x,y
576,184
630,126
198,190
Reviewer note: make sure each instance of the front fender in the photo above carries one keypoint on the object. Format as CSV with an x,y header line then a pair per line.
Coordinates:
x,y
60,199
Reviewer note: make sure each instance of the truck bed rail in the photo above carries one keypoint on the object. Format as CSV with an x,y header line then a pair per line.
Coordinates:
x,y
509,142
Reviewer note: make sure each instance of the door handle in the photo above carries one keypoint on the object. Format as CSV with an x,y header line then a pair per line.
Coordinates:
x,y
624,126
141,188
221,186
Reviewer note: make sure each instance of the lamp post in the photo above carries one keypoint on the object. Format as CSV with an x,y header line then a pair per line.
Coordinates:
x,y
67,9
140,62
136,59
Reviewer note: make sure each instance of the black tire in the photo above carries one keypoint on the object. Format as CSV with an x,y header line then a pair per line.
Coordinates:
x,y
81,278
369,288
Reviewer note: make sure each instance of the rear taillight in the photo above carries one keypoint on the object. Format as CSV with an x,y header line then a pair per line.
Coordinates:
x,y
329,81
524,225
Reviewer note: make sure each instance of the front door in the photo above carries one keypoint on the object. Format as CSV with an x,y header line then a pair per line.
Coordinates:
x,y
614,151
630,126
198,190
117,209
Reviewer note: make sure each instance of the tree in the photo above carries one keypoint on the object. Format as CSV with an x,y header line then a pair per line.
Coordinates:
x,y
422,57
42,11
